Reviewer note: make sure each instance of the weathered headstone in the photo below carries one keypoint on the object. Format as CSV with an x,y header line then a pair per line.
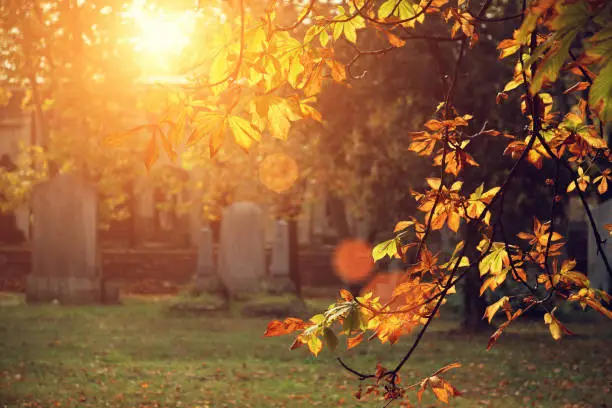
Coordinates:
x,y
280,280
598,275
65,265
242,263
206,278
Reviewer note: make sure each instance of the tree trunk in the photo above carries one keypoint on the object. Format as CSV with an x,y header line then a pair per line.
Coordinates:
x,y
473,304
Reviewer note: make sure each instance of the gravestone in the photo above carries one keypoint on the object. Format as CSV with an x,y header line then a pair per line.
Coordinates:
x,y
280,280
206,279
65,265
242,261
597,273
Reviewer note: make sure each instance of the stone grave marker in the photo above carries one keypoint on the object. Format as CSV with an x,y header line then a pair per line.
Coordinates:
x,y
280,280
242,258
206,278
597,273
65,259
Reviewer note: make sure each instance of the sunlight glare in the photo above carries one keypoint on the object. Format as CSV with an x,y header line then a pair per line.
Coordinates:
x,y
160,32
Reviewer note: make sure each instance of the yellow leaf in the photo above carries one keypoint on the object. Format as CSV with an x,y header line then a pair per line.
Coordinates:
x,y
324,38
295,69
278,122
508,47
243,131
492,309
315,345
554,326
338,27
350,32
512,85
219,68
209,123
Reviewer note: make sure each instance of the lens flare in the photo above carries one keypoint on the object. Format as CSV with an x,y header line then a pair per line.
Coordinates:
x,y
278,172
353,260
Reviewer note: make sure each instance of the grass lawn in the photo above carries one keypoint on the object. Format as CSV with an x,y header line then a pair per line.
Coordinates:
x,y
136,355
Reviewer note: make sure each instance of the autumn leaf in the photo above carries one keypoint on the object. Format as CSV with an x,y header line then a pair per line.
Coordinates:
x,y
556,328
291,324
386,248
577,87
582,181
495,336
508,47
338,70
209,123
495,260
395,41
447,368
492,309
243,131
441,389
315,345
314,81
354,341
346,295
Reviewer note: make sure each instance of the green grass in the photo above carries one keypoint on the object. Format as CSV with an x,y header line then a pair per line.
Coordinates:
x,y
136,355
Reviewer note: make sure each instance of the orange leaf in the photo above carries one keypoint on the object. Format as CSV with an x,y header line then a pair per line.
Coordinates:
x,y
353,341
402,225
291,324
338,71
346,295
395,41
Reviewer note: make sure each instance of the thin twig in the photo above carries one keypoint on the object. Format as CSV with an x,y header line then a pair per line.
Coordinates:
x,y
305,14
